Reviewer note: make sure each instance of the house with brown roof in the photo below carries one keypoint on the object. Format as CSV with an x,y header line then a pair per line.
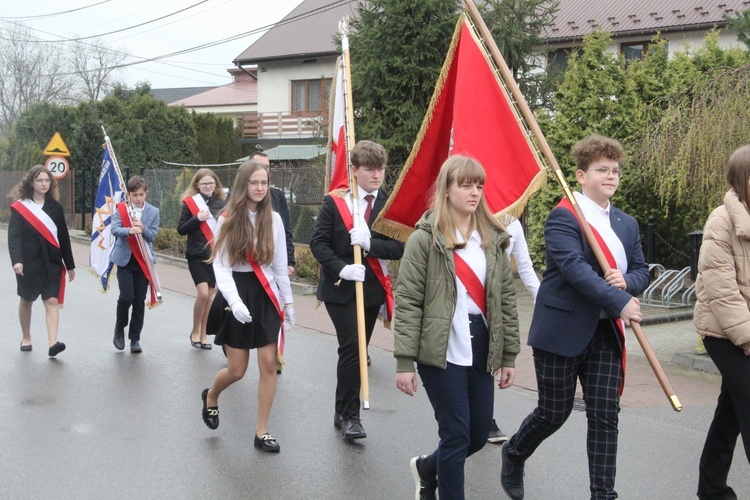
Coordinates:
x,y
295,62
232,100
683,23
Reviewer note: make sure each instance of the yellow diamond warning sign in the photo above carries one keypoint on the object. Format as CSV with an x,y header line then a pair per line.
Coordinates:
x,y
56,147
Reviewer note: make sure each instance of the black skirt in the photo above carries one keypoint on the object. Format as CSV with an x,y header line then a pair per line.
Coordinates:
x,y
261,331
201,272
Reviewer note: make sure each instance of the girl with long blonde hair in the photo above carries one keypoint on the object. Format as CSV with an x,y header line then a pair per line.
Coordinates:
x,y
250,262
456,320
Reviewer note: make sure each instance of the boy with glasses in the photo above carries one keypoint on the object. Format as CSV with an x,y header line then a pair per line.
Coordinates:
x,y
577,328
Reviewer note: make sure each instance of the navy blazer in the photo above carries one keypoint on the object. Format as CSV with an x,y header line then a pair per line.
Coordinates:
x,y
121,252
331,246
573,291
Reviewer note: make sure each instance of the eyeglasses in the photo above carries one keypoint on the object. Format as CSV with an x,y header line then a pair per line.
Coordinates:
x,y
606,171
206,184
255,184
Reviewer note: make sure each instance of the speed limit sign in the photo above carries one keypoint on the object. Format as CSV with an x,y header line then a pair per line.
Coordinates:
x,y
58,166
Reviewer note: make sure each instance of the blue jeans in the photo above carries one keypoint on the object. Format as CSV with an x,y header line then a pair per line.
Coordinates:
x,y
462,398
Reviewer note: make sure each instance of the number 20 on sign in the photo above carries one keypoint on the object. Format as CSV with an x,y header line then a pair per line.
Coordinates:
x,y
58,166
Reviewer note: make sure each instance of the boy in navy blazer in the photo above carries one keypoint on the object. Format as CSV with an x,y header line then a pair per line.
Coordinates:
x,y
131,279
577,328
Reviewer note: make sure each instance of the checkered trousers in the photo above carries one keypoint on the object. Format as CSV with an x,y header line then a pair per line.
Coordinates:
x,y
599,370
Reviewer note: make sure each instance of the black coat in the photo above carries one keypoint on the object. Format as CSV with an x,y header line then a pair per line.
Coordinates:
x,y
331,246
42,262
197,245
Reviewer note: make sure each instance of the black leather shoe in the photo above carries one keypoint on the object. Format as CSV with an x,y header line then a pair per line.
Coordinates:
x,y
119,340
206,346
337,419
511,477
210,413
56,349
135,347
266,443
26,348
351,429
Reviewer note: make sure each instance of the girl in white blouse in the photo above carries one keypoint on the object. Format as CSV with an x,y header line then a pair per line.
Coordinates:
x,y
250,263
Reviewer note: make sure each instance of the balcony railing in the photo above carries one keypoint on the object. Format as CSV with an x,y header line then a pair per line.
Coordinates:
x,y
284,125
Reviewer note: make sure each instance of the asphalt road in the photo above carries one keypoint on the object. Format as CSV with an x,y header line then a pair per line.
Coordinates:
x,y
100,423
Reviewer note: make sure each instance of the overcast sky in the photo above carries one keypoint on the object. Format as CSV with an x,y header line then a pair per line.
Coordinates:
x,y
200,22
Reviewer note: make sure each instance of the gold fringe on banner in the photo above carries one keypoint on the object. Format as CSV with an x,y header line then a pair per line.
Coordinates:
x,y
390,228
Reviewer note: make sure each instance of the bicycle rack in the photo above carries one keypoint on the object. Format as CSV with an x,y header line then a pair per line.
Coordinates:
x,y
670,288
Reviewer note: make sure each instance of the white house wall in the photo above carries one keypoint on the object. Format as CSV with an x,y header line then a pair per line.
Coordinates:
x,y
274,87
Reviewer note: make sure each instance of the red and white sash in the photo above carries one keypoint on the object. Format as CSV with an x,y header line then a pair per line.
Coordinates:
x,y
271,295
378,266
472,282
565,203
43,223
195,204
122,208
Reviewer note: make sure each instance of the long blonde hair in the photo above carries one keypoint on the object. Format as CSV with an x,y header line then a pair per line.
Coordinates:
x,y
461,169
238,235
194,189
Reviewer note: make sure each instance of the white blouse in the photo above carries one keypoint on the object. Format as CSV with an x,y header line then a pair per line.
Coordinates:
x,y
276,272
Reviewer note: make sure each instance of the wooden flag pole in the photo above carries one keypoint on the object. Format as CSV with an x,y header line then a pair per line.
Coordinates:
x,y
531,122
359,291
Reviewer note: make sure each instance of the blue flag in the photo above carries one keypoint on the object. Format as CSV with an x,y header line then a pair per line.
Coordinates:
x,y
108,195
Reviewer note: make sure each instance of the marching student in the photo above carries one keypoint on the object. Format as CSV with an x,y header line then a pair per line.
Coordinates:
x,y
249,260
40,252
722,317
456,319
334,237
133,277
203,201
576,332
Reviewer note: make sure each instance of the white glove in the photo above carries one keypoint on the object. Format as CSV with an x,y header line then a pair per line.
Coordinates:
x,y
361,236
289,318
353,272
241,314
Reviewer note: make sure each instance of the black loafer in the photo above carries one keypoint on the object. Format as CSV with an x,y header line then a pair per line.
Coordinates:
x,y
210,413
119,339
26,348
56,349
195,344
351,429
266,443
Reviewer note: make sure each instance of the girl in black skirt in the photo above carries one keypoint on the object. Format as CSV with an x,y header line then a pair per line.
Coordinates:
x,y
250,238
40,251
202,204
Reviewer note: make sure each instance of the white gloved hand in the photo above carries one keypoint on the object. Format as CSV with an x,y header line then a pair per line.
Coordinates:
x,y
353,272
361,236
241,314
289,318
